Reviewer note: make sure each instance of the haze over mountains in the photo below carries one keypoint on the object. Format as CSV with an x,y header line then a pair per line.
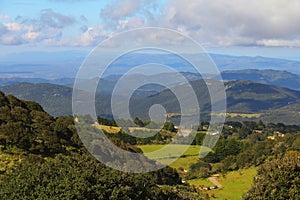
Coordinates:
x,y
242,97
268,76
54,65
269,91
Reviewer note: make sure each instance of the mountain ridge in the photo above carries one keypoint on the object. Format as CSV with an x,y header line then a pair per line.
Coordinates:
x,y
242,97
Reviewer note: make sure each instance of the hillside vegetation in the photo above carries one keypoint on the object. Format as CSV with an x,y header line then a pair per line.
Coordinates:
x,y
41,157
272,103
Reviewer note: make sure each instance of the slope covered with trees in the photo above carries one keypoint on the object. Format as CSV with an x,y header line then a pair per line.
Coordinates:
x,y
48,161
277,179
273,103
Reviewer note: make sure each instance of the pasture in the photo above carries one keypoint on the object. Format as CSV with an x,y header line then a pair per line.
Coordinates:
x,y
234,183
166,155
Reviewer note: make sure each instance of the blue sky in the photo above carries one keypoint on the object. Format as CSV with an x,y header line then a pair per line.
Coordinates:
x,y
238,27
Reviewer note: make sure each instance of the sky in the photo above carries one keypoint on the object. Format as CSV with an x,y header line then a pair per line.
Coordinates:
x,y
238,27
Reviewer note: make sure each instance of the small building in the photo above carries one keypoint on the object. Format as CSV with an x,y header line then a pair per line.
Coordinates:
x,y
257,131
272,137
279,134
214,133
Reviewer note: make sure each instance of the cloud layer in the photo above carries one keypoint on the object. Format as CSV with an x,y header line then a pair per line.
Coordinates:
x,y
47,28
212,23
237,22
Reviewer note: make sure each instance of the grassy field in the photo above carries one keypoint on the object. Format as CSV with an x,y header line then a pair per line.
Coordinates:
x,y
114,129
245,115
164,156
242,115
108,129
235,184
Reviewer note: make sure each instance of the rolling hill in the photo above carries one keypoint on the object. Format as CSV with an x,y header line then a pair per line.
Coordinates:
x,y
14,80
267,76
55,99
242,97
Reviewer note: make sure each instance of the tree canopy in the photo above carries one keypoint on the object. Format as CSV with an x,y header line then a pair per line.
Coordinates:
x,y
277,179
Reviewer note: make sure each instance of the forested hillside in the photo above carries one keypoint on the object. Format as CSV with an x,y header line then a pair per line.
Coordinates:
x,y
41,157
272,103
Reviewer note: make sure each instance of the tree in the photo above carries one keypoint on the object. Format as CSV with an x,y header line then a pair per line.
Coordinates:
x,y
244,132
224,148
199,170
296,143
139,122
169,126
277,179
82,177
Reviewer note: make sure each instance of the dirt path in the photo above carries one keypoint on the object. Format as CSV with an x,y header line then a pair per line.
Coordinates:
x,y
213,180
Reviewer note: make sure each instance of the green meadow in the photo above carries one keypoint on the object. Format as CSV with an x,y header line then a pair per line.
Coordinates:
x,y
234,183
166,155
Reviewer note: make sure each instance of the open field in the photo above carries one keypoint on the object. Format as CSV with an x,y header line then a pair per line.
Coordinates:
x,y
235,184
108,129
190,156
245,115
242,115
114,129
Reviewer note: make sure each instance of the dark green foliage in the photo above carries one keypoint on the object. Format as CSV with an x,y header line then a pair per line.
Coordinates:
x,y
55,165
199,170
122,136
3,100
155,137
223,149
169,126
275,103
277,179
244,132
296,144
107,122
140,123
167,176
25,125
198,140
79,177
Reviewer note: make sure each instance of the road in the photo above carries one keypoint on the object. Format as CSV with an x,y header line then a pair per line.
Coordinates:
x,y
213,180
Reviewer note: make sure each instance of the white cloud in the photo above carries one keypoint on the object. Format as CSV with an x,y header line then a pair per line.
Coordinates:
x,y
212,23
119,9
89,36
47,27
136,12
235,22
279,43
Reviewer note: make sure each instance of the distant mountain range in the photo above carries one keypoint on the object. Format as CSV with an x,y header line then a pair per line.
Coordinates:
x,y
55,99
242,97
13,80
225,62
267,76
53,65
